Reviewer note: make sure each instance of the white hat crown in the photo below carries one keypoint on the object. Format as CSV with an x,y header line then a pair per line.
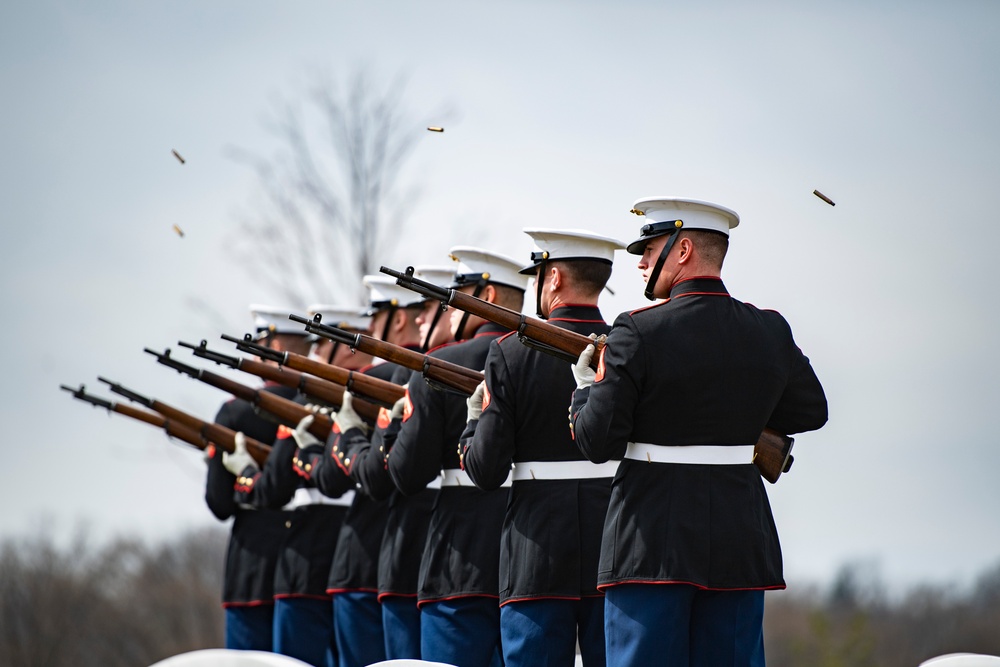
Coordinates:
x,y
691,214
345,317
436,275
383,292
274,320
491,266
566,244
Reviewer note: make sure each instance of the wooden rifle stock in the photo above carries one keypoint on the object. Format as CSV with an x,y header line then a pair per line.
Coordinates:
x,y
324,390
773,454
287,412
367,387
534,333
181,428
437,371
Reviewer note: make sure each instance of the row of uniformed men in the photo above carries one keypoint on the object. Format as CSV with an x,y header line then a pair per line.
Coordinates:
x,y
478,532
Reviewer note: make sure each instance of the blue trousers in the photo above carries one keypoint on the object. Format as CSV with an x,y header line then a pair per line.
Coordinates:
x,y
676,625
464,632
303,629
401,626
357,619
545,632
250,628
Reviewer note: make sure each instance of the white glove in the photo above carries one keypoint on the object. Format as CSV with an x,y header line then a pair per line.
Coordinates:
x,y
582,371
474,403
240,459
397,408
346,418
303,438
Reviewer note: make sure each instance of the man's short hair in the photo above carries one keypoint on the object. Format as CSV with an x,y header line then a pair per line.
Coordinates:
x,y
712,246
509,297
294,343
588,275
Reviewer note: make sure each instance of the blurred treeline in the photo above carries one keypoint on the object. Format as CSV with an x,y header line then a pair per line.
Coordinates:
x,y
123,603
131,604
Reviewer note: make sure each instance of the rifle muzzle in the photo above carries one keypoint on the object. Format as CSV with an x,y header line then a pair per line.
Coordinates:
x,y
407,280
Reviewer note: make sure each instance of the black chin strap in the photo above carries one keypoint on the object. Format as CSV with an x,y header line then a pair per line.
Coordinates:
x,y
388,323
655,275
539,282
430,332
333,352
459,333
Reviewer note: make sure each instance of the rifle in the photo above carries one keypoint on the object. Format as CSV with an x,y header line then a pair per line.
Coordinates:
x,y
372,389
175,430
287,412
444,374
208,431
310,386
772,453
537,334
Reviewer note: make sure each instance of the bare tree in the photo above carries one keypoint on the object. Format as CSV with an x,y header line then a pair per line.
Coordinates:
x,y
327,198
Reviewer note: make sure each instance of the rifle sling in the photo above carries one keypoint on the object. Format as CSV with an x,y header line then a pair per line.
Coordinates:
x,y
545,348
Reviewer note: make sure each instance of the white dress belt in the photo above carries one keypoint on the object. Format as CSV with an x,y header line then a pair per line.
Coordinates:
x,y
306,496
435,483
527,470
700,454
458,477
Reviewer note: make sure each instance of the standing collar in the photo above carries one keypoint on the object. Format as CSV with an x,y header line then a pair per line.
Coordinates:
x,y
489,329
575,312
699,285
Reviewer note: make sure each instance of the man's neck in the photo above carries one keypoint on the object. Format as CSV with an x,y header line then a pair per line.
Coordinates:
x,y
560,299
700,270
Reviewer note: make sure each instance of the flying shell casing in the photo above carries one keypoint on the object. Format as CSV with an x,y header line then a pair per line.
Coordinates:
x,y
823,197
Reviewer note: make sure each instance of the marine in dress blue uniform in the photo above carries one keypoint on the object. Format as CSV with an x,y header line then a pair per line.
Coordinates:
x,y
303,626
458,587
552,530
353,580
407,517
682,392
252,552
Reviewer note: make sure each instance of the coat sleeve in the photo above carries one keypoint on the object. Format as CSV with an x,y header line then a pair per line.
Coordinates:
x,y
602,415
416,457
219,484
802,406
368,458
489,452
273,486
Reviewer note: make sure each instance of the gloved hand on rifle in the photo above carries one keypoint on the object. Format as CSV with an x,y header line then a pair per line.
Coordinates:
x,y
582,371
399,406
474,403
238,462
303,438
346,418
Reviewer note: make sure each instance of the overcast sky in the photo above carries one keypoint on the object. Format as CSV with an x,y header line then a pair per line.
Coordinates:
x,y
559,114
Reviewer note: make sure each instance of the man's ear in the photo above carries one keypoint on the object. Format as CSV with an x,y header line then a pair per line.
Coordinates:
x,y
489,294
556,279
685,250
399,320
